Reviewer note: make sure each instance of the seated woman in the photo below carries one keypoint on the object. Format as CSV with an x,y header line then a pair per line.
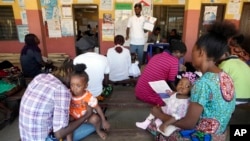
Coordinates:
x,y
119,59
212,100
31,57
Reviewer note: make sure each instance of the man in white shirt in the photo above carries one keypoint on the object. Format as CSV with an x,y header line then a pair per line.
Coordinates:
x,y
136,33
97,66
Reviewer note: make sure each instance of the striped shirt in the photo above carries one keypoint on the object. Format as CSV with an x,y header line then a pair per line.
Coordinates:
x,y
162,66
44,107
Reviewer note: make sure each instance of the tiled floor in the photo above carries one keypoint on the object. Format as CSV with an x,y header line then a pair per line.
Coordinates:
x,y
122,113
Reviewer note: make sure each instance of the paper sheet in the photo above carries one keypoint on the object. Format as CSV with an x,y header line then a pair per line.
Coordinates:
x,y
159,86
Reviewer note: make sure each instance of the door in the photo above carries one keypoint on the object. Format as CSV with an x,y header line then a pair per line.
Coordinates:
x,y
210,13
86,22
245,20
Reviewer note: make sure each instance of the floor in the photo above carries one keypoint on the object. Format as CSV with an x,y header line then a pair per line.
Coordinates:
x,y
122,113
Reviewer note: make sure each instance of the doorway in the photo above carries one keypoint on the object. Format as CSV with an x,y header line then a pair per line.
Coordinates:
x,y
86,19
245,20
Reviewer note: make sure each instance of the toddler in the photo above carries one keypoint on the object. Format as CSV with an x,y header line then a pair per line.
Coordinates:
x,y
176,104
82,98
134,70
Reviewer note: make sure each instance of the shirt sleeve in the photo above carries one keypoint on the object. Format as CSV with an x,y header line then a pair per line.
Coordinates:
x,y
129,22
93,101
200,93
38,57
62,98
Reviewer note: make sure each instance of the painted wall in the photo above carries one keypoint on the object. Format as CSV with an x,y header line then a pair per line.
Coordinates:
x,y
67,44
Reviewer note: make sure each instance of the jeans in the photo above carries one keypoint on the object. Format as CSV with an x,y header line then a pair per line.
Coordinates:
x,y
83,131
138,49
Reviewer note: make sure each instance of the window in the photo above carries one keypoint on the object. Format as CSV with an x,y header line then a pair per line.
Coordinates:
x,y
8,29
168,18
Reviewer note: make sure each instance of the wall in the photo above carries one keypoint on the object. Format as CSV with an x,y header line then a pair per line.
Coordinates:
x,y
67,44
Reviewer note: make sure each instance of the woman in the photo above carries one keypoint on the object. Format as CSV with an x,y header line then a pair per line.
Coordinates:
x,y
31,57
212,100
44,108
163,66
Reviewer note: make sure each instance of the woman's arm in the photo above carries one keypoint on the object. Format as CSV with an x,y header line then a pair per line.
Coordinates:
x,y
63,132
192,116
187,122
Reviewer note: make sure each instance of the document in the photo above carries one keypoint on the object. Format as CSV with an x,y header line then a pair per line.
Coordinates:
x,y
159,86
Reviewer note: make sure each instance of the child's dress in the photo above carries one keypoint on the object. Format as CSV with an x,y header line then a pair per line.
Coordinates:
x,y
134,69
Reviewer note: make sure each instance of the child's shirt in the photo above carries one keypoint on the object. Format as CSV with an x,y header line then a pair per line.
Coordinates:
x,y
77,106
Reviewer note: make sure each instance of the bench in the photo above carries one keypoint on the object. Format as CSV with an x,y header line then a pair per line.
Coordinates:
x,y
14,58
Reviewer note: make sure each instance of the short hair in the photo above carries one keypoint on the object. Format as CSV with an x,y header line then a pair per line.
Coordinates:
x,y
138,5
177,45
119,39
157,29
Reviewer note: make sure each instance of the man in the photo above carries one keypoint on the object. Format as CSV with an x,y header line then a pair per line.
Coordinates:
x,y
136,33
97,66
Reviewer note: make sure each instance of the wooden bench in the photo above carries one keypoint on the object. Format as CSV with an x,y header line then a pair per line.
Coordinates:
x,y
14,58
57,58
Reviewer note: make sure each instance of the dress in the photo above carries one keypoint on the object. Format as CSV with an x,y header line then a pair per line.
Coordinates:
x,y
77,106
215,92
31,63
44,108
119,64
239,71
162,66
134,69
97,67
175,107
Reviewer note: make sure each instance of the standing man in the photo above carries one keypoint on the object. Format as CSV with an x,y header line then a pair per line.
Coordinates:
x,y
136,33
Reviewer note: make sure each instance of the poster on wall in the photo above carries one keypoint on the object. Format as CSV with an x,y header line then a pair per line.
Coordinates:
x,y
209,15
108,31
66,1
50,9
67,27
21,3
9,1
106,5
107,18
54,28
22,30
122,13
24,17
233,7
66,11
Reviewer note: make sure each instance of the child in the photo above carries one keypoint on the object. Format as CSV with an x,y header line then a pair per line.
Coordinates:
x,y
134,70
82,98
176,104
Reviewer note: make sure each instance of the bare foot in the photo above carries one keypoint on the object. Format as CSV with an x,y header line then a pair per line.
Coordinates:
x,y
102,134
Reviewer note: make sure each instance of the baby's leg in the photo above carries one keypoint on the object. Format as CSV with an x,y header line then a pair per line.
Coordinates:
x,y
96,121
143,125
